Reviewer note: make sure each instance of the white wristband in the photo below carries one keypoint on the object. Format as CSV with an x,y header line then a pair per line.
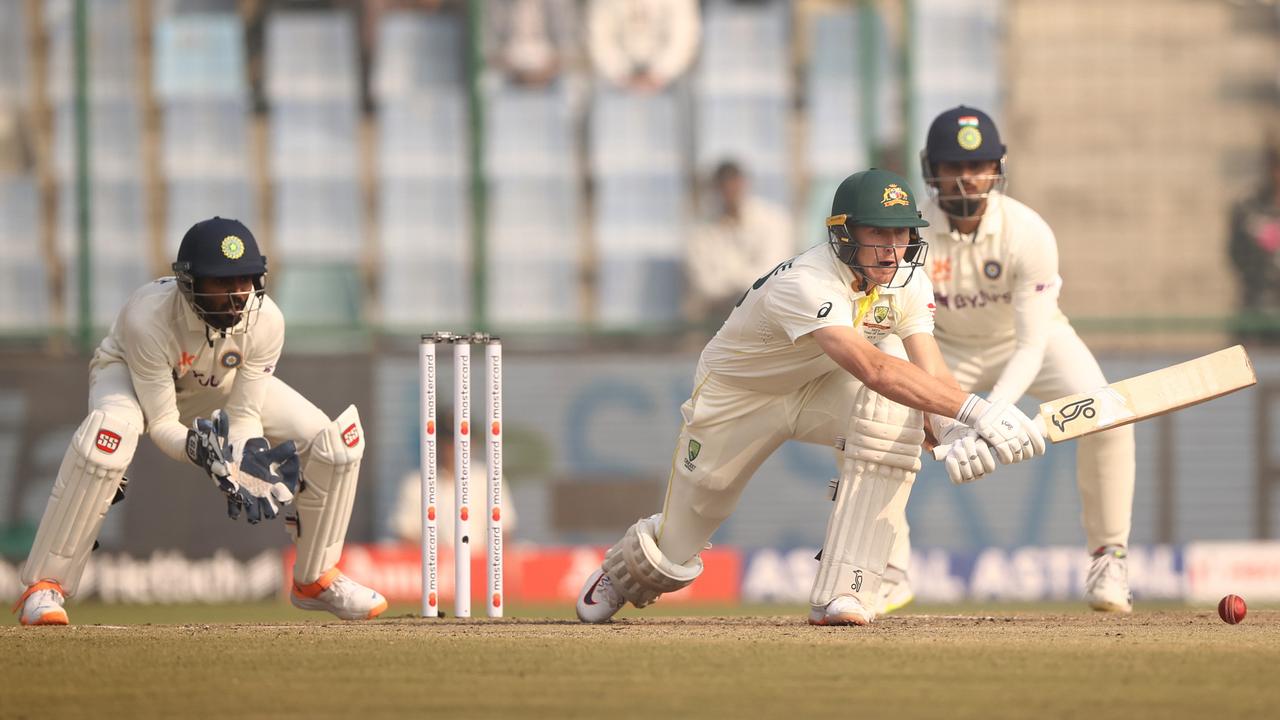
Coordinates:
x,y
973,408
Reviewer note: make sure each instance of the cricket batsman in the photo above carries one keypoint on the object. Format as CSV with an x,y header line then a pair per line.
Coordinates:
x,y
796,359
994,268
190,361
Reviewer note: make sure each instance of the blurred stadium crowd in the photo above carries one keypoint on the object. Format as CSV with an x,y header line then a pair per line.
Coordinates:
x,y
547,164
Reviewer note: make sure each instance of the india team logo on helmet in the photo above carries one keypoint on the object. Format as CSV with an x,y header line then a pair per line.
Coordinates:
x,y
969,138
232,247
894,195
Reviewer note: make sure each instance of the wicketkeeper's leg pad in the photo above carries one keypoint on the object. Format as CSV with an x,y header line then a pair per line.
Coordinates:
x,y
881,457
91,471
639,570
329,491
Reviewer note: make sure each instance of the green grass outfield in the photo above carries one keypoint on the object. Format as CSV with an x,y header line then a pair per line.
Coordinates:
x,y
269,660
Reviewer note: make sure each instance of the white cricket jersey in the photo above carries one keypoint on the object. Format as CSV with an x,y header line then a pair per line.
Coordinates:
x,y
766,345
980,281
173,358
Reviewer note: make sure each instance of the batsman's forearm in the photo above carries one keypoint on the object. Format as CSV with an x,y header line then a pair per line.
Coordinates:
x,y
896,379
906,384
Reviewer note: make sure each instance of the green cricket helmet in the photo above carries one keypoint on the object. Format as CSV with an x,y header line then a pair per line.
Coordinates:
x,y
876,198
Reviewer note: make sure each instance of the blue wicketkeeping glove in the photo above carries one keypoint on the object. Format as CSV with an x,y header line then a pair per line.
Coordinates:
x,y
208,449
267,478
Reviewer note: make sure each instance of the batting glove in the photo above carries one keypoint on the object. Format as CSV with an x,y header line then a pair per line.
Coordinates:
x,y
969,457
1014,436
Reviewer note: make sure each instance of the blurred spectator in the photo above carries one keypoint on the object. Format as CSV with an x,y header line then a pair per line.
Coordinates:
x,y
642,45
530,41
16,156
406,518
739,238
1255,239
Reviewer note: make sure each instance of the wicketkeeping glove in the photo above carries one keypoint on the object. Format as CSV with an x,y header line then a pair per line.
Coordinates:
x,y
207,446
267,478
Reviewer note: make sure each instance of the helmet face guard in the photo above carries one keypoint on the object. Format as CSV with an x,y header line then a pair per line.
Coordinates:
x,y
844,242
952,197
228,313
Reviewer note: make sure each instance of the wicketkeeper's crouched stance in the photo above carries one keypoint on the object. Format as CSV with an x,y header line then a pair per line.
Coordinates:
x,y
190,362
796,360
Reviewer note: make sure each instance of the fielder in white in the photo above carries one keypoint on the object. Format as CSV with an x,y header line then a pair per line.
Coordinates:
x,y
796,360
190,361
994,267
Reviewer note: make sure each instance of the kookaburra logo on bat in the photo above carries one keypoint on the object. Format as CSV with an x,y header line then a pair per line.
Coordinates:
x,y
1071,412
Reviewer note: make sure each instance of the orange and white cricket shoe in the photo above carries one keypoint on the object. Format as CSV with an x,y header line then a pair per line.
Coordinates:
x,y
340,595
844,610
41,604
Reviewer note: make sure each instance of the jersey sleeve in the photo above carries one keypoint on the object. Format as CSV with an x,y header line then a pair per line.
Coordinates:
x,y
800,305
917,307
262,353
147,355
1035,303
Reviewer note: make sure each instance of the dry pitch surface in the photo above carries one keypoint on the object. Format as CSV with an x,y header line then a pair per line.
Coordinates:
x,y
1164,663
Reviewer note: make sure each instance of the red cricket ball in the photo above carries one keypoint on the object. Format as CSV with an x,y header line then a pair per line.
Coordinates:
x,y
1232,609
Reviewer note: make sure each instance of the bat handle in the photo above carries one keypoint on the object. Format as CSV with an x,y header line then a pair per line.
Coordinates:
x,y
940,452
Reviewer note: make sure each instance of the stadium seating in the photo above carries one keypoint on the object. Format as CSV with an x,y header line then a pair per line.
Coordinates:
x,y
318,219
640,217
744,93
424,211
956,49
534,209
24,290
118,205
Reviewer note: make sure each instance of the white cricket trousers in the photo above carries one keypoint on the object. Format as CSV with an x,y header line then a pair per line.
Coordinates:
x,y
727,432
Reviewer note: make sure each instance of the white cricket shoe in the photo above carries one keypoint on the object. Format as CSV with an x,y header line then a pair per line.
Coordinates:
x,y
844,610
41,604
895,591
599,602
340,595
1107,587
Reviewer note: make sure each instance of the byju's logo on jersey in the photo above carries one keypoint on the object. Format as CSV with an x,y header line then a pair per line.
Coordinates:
x,y
695,447
107,441
894,195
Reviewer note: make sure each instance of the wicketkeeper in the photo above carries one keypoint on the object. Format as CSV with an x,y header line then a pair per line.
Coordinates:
x,y
190,361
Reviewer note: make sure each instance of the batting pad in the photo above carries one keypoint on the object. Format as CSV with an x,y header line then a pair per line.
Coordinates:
x,y
92,467
640,571
329,490
881,458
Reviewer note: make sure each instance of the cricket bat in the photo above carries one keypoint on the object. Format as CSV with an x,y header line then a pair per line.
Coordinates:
x,y
1145,396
